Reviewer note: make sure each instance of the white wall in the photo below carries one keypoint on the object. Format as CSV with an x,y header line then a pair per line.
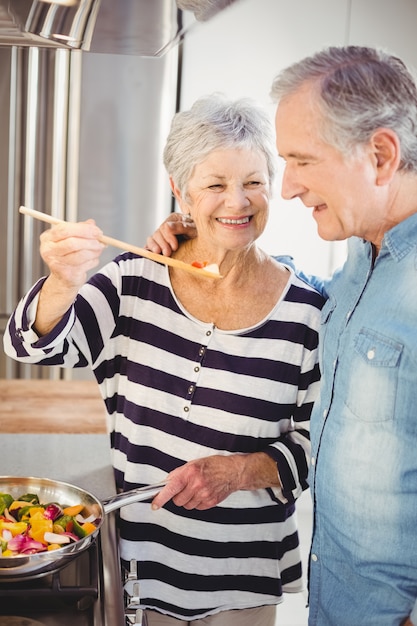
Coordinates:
x,y
240,50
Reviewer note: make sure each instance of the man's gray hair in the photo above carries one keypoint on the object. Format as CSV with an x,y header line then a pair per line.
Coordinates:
x,y
216,123
359,90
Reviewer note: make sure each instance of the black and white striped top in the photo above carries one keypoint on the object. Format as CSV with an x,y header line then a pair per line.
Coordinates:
x,y
177,389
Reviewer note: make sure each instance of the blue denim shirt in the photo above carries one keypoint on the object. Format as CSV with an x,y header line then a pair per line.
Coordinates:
x,y
363,475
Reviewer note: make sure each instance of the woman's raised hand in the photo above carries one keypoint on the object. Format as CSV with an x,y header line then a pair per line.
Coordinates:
x,y
70,250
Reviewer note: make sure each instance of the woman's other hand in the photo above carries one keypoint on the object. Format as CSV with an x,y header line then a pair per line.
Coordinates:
x,y
203,483
165,239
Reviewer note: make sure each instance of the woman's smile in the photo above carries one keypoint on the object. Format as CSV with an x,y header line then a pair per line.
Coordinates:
x,y
234,221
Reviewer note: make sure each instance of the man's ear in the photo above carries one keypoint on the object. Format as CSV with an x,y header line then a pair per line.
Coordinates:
x,y
387,151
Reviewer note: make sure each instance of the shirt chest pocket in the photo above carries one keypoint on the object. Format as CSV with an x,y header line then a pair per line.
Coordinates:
x,y
373,376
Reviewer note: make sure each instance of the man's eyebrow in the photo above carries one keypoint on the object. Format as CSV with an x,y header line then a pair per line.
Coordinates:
x,y
296,155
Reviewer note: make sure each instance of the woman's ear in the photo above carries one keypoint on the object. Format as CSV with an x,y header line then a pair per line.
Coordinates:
x,y
182,203
387,150
176,192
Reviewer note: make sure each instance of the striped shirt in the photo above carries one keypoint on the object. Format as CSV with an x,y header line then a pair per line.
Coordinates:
x,y
178,389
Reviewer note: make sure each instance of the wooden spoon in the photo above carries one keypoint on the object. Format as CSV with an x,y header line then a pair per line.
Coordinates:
x,y
210,271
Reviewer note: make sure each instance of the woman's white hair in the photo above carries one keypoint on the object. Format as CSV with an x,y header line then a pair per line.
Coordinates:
x,y
215,123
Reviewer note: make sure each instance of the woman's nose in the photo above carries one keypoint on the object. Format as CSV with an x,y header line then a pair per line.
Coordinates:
x,y
291,184
237,197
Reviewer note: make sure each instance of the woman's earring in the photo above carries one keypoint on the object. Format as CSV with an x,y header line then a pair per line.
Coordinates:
x,y
186,218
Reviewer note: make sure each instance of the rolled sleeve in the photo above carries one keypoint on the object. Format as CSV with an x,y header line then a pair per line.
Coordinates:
x,y
292,469
21,339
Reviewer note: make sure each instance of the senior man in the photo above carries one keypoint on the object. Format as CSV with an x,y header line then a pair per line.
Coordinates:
x,y
346,126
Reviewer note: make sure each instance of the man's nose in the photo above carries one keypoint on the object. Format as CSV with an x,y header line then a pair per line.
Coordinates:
x,y
291,184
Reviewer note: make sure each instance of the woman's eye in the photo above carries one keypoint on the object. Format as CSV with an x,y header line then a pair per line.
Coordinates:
x,y
253,183
216,187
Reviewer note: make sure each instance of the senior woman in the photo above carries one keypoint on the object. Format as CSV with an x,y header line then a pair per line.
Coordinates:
x,y
207,382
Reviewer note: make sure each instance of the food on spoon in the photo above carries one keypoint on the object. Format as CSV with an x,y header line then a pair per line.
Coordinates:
x,y
208,267
213,268
29,527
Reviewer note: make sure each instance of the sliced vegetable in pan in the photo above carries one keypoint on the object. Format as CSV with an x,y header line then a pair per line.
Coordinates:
x,y
29,527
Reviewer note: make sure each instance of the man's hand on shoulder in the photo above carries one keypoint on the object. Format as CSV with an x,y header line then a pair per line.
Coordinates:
x,y
166,239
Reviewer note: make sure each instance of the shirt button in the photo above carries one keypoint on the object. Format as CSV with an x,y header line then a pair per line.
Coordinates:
x,y
201,351
208,333
370,354
19,333
186,409
196,369
191,389
314,557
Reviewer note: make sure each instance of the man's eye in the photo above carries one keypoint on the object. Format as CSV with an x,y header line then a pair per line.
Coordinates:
x,y
216,187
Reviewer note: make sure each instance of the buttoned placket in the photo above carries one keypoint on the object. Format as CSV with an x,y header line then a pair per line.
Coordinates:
x,y
197,371
315,547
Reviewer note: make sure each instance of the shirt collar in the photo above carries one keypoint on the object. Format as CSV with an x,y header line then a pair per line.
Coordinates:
x,y
402,238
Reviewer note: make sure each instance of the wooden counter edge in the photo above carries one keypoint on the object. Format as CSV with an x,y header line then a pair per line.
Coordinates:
x,y
49,406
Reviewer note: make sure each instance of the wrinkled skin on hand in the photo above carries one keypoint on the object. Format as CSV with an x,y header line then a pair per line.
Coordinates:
x,y
70,250
165,239
200,484
203,483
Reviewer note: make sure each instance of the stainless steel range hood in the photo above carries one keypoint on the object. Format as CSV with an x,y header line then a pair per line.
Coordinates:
x,y
139,27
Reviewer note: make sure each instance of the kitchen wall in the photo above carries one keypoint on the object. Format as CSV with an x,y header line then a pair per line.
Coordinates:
x,y
240,51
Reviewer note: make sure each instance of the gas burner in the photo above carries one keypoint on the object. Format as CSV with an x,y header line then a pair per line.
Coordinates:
x,y
82,593
14,620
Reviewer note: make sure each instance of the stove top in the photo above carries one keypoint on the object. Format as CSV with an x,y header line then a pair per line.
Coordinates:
x,y
88,591
83,593
65,597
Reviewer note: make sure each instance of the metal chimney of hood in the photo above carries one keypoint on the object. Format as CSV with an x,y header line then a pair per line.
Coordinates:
x,y
48,23
134,27
67,22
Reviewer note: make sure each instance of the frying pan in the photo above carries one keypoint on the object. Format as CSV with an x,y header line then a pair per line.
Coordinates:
x,y
24,567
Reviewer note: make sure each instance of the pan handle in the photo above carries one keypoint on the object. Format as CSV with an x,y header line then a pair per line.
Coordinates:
x,y
129,497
